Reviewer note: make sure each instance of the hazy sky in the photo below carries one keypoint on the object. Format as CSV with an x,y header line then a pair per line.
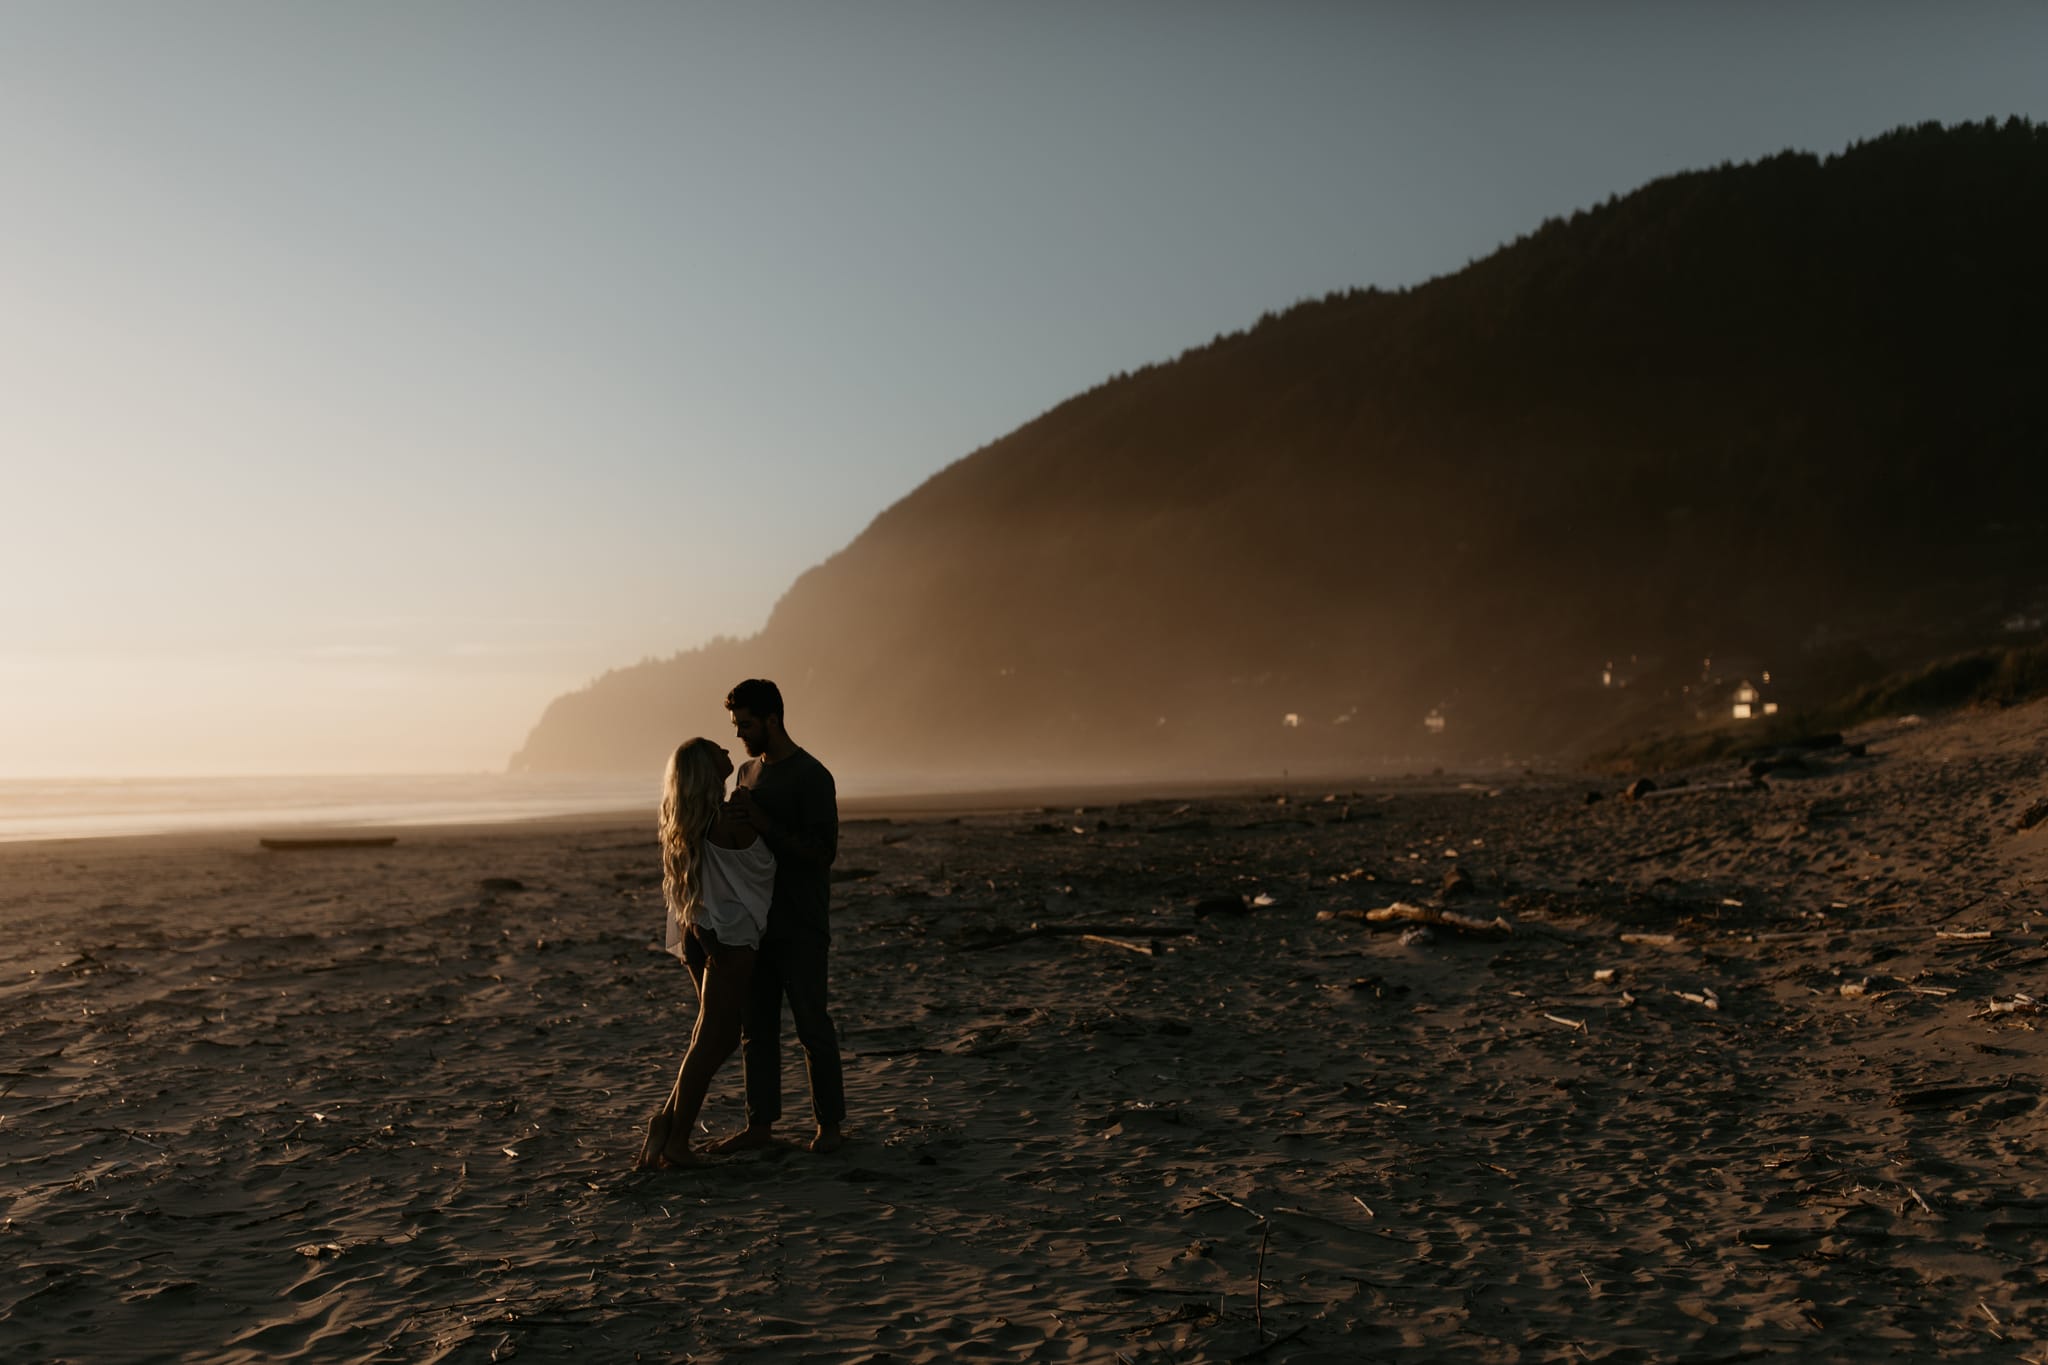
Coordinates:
x,y
374,372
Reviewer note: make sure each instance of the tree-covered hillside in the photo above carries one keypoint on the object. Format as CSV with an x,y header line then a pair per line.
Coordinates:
x,y
1786,413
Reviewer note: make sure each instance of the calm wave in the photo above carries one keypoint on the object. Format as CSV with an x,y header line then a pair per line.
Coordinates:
x,y
101,807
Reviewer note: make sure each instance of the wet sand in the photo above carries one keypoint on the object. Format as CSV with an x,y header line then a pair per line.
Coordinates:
x,y
1756,1071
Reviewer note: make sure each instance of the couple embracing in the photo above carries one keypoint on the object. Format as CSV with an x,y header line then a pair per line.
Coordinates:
x,y
747,882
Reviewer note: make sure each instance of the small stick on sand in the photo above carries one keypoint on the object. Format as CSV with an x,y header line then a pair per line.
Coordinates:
x,y
1144,948
1090,932
1578,1024
1214,1193
1259,1281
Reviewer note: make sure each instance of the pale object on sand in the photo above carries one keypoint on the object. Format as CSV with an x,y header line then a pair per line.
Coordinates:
x,y
1401,912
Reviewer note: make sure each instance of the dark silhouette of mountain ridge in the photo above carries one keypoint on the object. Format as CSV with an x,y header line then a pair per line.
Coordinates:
x,y
1785,413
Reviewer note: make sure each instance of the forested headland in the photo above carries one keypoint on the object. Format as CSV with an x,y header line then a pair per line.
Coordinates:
x,y
1780,417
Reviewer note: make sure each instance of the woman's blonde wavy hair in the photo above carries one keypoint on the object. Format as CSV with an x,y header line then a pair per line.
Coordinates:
x,y
692,790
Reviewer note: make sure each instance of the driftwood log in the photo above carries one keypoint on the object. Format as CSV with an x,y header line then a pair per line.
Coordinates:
x,y
1108,935
1401,912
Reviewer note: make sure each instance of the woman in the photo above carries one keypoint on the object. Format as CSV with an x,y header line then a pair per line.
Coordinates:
x,y
716,877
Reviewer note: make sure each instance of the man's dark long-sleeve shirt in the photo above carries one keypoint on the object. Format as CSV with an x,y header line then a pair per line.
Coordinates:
x,y
802,802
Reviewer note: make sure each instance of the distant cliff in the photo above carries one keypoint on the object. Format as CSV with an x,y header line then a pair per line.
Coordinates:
x,y
1789,415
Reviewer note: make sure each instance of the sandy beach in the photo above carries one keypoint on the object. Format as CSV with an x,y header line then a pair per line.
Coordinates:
x,y
1749,1066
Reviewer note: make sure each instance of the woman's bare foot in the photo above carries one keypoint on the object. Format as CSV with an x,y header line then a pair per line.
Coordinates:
x,y
678,1156
827,1139
751,1136
653,1150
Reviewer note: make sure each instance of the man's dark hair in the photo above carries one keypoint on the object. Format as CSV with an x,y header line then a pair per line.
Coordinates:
x,y
757,695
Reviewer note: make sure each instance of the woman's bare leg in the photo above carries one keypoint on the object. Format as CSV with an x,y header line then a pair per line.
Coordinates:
x,y
717,1033
663,1123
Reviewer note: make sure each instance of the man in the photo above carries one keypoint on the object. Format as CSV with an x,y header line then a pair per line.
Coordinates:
x,y
789,798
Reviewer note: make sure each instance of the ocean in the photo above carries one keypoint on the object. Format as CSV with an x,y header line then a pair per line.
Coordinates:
x,y
90,808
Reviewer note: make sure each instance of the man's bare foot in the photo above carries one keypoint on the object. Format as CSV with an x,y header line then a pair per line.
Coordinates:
x,y
827,1139
752,1136
653,1150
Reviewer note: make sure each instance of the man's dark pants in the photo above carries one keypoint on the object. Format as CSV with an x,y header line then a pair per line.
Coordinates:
x,y
791,965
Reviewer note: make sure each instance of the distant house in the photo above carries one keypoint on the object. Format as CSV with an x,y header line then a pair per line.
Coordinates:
x,y
1619,672
1749,701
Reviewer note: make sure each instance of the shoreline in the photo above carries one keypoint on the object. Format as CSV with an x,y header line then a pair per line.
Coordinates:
x,y
964,801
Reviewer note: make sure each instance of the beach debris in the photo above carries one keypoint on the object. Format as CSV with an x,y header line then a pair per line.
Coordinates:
x,y
1855,987
1217,1194
1576,1024
1110,934
2021,1003
1704,997
1401,912
1603,974
1638,789
1966,935
1195,825
1416,934
1644,940
1259,1281
1146,949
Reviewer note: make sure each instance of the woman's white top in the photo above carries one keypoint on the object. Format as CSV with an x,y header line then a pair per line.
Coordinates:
x,y
738,884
